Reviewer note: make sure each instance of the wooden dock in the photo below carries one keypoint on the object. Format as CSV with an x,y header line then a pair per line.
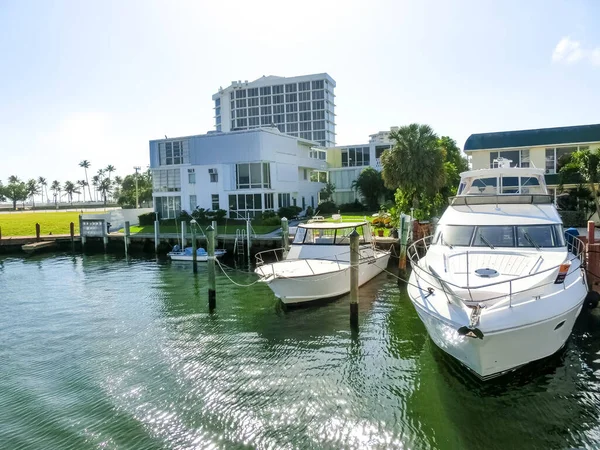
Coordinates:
x,y
38,246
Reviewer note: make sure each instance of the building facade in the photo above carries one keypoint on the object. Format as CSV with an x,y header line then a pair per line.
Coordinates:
x,y
243,172
542,148
300,106
348,161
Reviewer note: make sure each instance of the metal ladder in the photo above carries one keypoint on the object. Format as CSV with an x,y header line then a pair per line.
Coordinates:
x,y
240,241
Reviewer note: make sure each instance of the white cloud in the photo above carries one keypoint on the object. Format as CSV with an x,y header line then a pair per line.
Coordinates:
x,y
570,51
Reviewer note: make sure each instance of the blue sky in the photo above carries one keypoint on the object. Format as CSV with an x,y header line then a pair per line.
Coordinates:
x,y
98,80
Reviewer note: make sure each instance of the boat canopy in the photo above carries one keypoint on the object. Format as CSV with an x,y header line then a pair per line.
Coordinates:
x,y
331,233
502,181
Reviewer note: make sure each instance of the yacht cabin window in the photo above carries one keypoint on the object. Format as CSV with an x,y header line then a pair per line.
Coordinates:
x,y
501,185
543,236
326,236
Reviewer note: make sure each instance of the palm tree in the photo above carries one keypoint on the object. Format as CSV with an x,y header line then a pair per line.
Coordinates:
x,y
110,169
32,190
13,179
83,184
70,189
105,187
86,165
55,188
44,185
96,183
415,164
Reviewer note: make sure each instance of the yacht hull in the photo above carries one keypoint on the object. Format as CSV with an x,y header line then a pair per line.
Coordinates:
x,y
498,353
330,284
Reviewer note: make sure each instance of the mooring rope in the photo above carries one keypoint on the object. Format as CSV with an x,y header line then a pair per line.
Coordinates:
x,y
234,282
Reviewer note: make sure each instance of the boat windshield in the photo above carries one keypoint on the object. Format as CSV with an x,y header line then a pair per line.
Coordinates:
x,y
537,236
326,236
501,185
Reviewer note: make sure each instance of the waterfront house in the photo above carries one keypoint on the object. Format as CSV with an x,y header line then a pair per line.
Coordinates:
x,y
542,148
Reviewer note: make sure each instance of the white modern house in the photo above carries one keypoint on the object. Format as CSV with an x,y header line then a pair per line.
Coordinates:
x,y
346,162
243,172
301,106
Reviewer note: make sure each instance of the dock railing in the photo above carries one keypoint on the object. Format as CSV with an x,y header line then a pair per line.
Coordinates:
x,y
576,252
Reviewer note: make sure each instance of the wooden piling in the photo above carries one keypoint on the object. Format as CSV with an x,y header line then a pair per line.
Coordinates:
x,y
591,228
404,227
72,230
37,232
248,238
354,266
212,290
183,225
126,237
285,236
194,250
156,236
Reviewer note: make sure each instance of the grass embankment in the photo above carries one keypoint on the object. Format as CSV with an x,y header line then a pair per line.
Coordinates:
x,y
23,223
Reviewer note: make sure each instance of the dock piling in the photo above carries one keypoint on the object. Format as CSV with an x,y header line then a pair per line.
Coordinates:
x,y
591,228
72,230
156,236
248,238
37,232
354,264
403,243
212,291
194,250
285,236
126,237
183,230
81,233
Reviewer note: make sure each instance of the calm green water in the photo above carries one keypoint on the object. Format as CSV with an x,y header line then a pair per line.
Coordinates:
x,y
99,352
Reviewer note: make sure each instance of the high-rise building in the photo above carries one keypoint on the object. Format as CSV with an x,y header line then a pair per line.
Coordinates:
x,y
299,106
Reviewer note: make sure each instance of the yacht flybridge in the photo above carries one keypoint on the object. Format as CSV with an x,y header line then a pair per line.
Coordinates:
x,y
317,265
496,285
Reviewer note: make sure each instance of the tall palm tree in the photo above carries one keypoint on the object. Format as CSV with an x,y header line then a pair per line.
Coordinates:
x,y
110,169
70,189
415,163
14,179
96,183
86,165
83,184
105,187
55,188
32,190
44,185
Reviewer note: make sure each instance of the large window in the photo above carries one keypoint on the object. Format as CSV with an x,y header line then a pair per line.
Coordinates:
x,y
356,156
555,157
213,175
550,235
512,155
253,176
318,176
284,200
168,207
193,202
318,154
166,180
191,176
245,205
215,201
173,152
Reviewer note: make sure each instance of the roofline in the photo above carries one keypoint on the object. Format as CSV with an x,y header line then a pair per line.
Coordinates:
x,y
497,149
506,170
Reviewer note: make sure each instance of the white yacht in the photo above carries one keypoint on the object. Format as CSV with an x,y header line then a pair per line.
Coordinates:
x,y
317,265
497,286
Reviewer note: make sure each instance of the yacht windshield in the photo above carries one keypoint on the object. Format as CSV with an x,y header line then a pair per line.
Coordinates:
x,y
326,236
492,236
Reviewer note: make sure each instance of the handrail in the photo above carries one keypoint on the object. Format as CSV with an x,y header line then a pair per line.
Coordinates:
x,y
576,248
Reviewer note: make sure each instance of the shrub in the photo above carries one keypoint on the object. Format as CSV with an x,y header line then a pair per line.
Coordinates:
x,y
327,208
147,219
355,206
289,212
573,219
309,211
271,221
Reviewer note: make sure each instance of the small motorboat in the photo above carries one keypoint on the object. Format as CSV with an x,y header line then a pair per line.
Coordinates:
x,y
317,265
177,254
498,285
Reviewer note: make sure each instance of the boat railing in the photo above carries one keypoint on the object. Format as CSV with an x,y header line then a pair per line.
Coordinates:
x,y
260,256
417,250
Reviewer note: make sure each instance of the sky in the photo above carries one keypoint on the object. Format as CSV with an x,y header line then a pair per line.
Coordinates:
x,y
98,80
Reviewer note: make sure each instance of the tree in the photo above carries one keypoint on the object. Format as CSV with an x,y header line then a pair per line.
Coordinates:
x,y
586,164
95,183
369,185
327,192
86,165
455,163
415,163
32,190
15,191
43,186
2,196
70,189
110,169
105,187
127,190
83,184
55,188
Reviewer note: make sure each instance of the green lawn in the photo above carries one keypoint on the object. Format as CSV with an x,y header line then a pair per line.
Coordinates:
x,y
23,223
221,229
